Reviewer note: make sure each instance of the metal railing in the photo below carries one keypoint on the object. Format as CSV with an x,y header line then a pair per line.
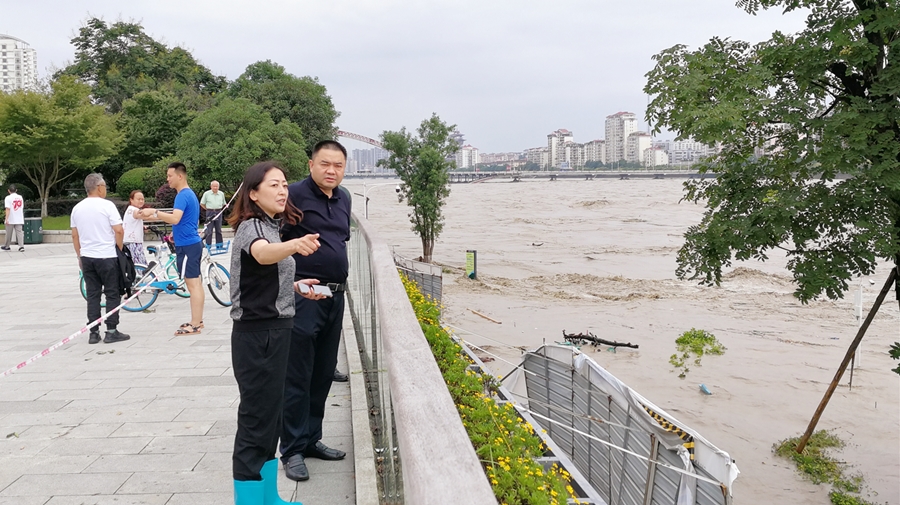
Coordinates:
x,y
422,452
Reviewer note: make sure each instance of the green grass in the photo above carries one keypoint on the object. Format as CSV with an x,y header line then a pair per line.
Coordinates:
x,y
52,223
819,467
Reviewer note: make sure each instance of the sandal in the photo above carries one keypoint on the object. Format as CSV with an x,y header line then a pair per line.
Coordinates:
x,y
185,325
187,330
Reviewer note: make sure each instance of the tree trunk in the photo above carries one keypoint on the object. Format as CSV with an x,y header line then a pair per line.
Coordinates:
x,y
427,249
45,195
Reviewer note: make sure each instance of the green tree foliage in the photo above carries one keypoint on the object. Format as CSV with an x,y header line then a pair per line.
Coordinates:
x,y
131,180
300,100
222,142
824,105
422,163
119,61
152,122
51,136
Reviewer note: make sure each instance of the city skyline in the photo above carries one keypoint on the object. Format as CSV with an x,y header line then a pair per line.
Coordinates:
x,y
489,68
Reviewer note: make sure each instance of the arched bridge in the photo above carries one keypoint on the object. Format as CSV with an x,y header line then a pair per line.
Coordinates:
x,y
361,138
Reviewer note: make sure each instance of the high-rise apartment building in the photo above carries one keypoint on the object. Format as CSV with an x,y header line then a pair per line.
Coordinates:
x,y
618,127
595,150
556,147
635,145
540,156
365,160
18,64
467,157
655,157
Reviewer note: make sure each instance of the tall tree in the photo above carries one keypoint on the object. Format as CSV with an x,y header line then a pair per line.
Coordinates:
x,y
51,136
822,108
422,162
300,100
222,142
152,122
119,60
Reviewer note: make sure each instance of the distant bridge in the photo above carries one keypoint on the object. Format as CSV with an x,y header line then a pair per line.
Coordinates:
x,y
360,138
457,177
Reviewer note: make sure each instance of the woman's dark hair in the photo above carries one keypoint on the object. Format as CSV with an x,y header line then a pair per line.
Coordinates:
x,y
245,208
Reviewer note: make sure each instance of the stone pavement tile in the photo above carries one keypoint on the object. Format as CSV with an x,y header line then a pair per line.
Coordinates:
x,y
27,407
222,380
93,430
192,403
57,385
216,461
84,394
162,445
335,492
19,447
20,465
197,392
113,374
202,498
192,372
206,414
326,469
43,418
24,500
23,394
142,414
184,462
75,446
44,432
156,382
116,499
90,406
65,484
170,429
336,429
218,342
180,482
224,427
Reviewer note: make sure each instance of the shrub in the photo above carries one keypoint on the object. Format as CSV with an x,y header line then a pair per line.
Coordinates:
x,y
506,445
165,196
132,180
697,343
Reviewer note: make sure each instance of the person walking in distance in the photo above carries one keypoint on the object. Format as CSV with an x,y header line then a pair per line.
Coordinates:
x,y
184,218
262,311
96,233
134,227
15,218
212,202
317,323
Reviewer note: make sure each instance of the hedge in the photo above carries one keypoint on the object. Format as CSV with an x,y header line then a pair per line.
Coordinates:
x,y
132,180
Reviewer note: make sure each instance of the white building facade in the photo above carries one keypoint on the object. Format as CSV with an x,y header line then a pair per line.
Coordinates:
x,y
18,65
595,150
655,157
635,145
556,146
467,157
618,127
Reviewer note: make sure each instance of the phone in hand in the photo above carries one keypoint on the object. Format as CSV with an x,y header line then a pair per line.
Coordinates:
x,y
316,288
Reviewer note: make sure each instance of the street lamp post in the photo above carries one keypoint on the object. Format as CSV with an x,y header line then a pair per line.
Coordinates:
x,y
367,188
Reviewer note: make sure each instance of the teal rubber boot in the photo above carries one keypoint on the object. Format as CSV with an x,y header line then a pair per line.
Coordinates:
x,y
248,492
269,474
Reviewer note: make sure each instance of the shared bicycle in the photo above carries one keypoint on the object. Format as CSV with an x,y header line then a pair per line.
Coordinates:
x,y
161,274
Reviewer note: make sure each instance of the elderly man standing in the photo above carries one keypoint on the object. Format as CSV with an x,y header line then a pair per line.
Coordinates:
x,y
212,202
96,232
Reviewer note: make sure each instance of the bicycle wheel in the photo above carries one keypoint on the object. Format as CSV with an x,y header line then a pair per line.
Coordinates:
x,y
84,290
144,300
172,274
219,281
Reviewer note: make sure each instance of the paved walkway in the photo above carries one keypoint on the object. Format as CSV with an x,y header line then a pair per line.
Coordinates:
x,y
147,421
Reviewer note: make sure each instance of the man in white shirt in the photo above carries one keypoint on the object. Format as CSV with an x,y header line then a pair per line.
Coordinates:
x,y
15,218
96,233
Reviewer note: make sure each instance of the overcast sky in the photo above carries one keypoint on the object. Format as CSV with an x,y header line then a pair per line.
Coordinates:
x,y
506,72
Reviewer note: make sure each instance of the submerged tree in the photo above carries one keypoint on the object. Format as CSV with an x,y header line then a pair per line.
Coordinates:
x,y
809,129
422,163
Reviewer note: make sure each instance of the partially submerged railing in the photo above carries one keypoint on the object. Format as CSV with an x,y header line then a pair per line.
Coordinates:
x,y
423,454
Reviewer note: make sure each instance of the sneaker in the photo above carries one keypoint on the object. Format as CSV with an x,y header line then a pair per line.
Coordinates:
x,y
94,338
115,336
4,248
21,249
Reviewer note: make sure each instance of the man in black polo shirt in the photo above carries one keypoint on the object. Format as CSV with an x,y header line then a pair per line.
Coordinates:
x,y
317,323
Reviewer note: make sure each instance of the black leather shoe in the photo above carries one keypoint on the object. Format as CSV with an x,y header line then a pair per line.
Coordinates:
x,y
94,338
322,451
340,377
115,336
295,468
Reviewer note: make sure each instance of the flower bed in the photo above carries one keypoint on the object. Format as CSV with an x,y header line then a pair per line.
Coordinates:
x,y
506,445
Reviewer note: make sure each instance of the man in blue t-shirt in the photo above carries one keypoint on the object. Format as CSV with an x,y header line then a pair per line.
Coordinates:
x,y
184,218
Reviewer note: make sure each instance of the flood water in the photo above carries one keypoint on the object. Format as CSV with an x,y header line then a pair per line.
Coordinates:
x,y
599,256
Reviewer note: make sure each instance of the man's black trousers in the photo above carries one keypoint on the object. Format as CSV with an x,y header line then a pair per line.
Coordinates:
x,y
213,225
259,360
101,276
314,346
